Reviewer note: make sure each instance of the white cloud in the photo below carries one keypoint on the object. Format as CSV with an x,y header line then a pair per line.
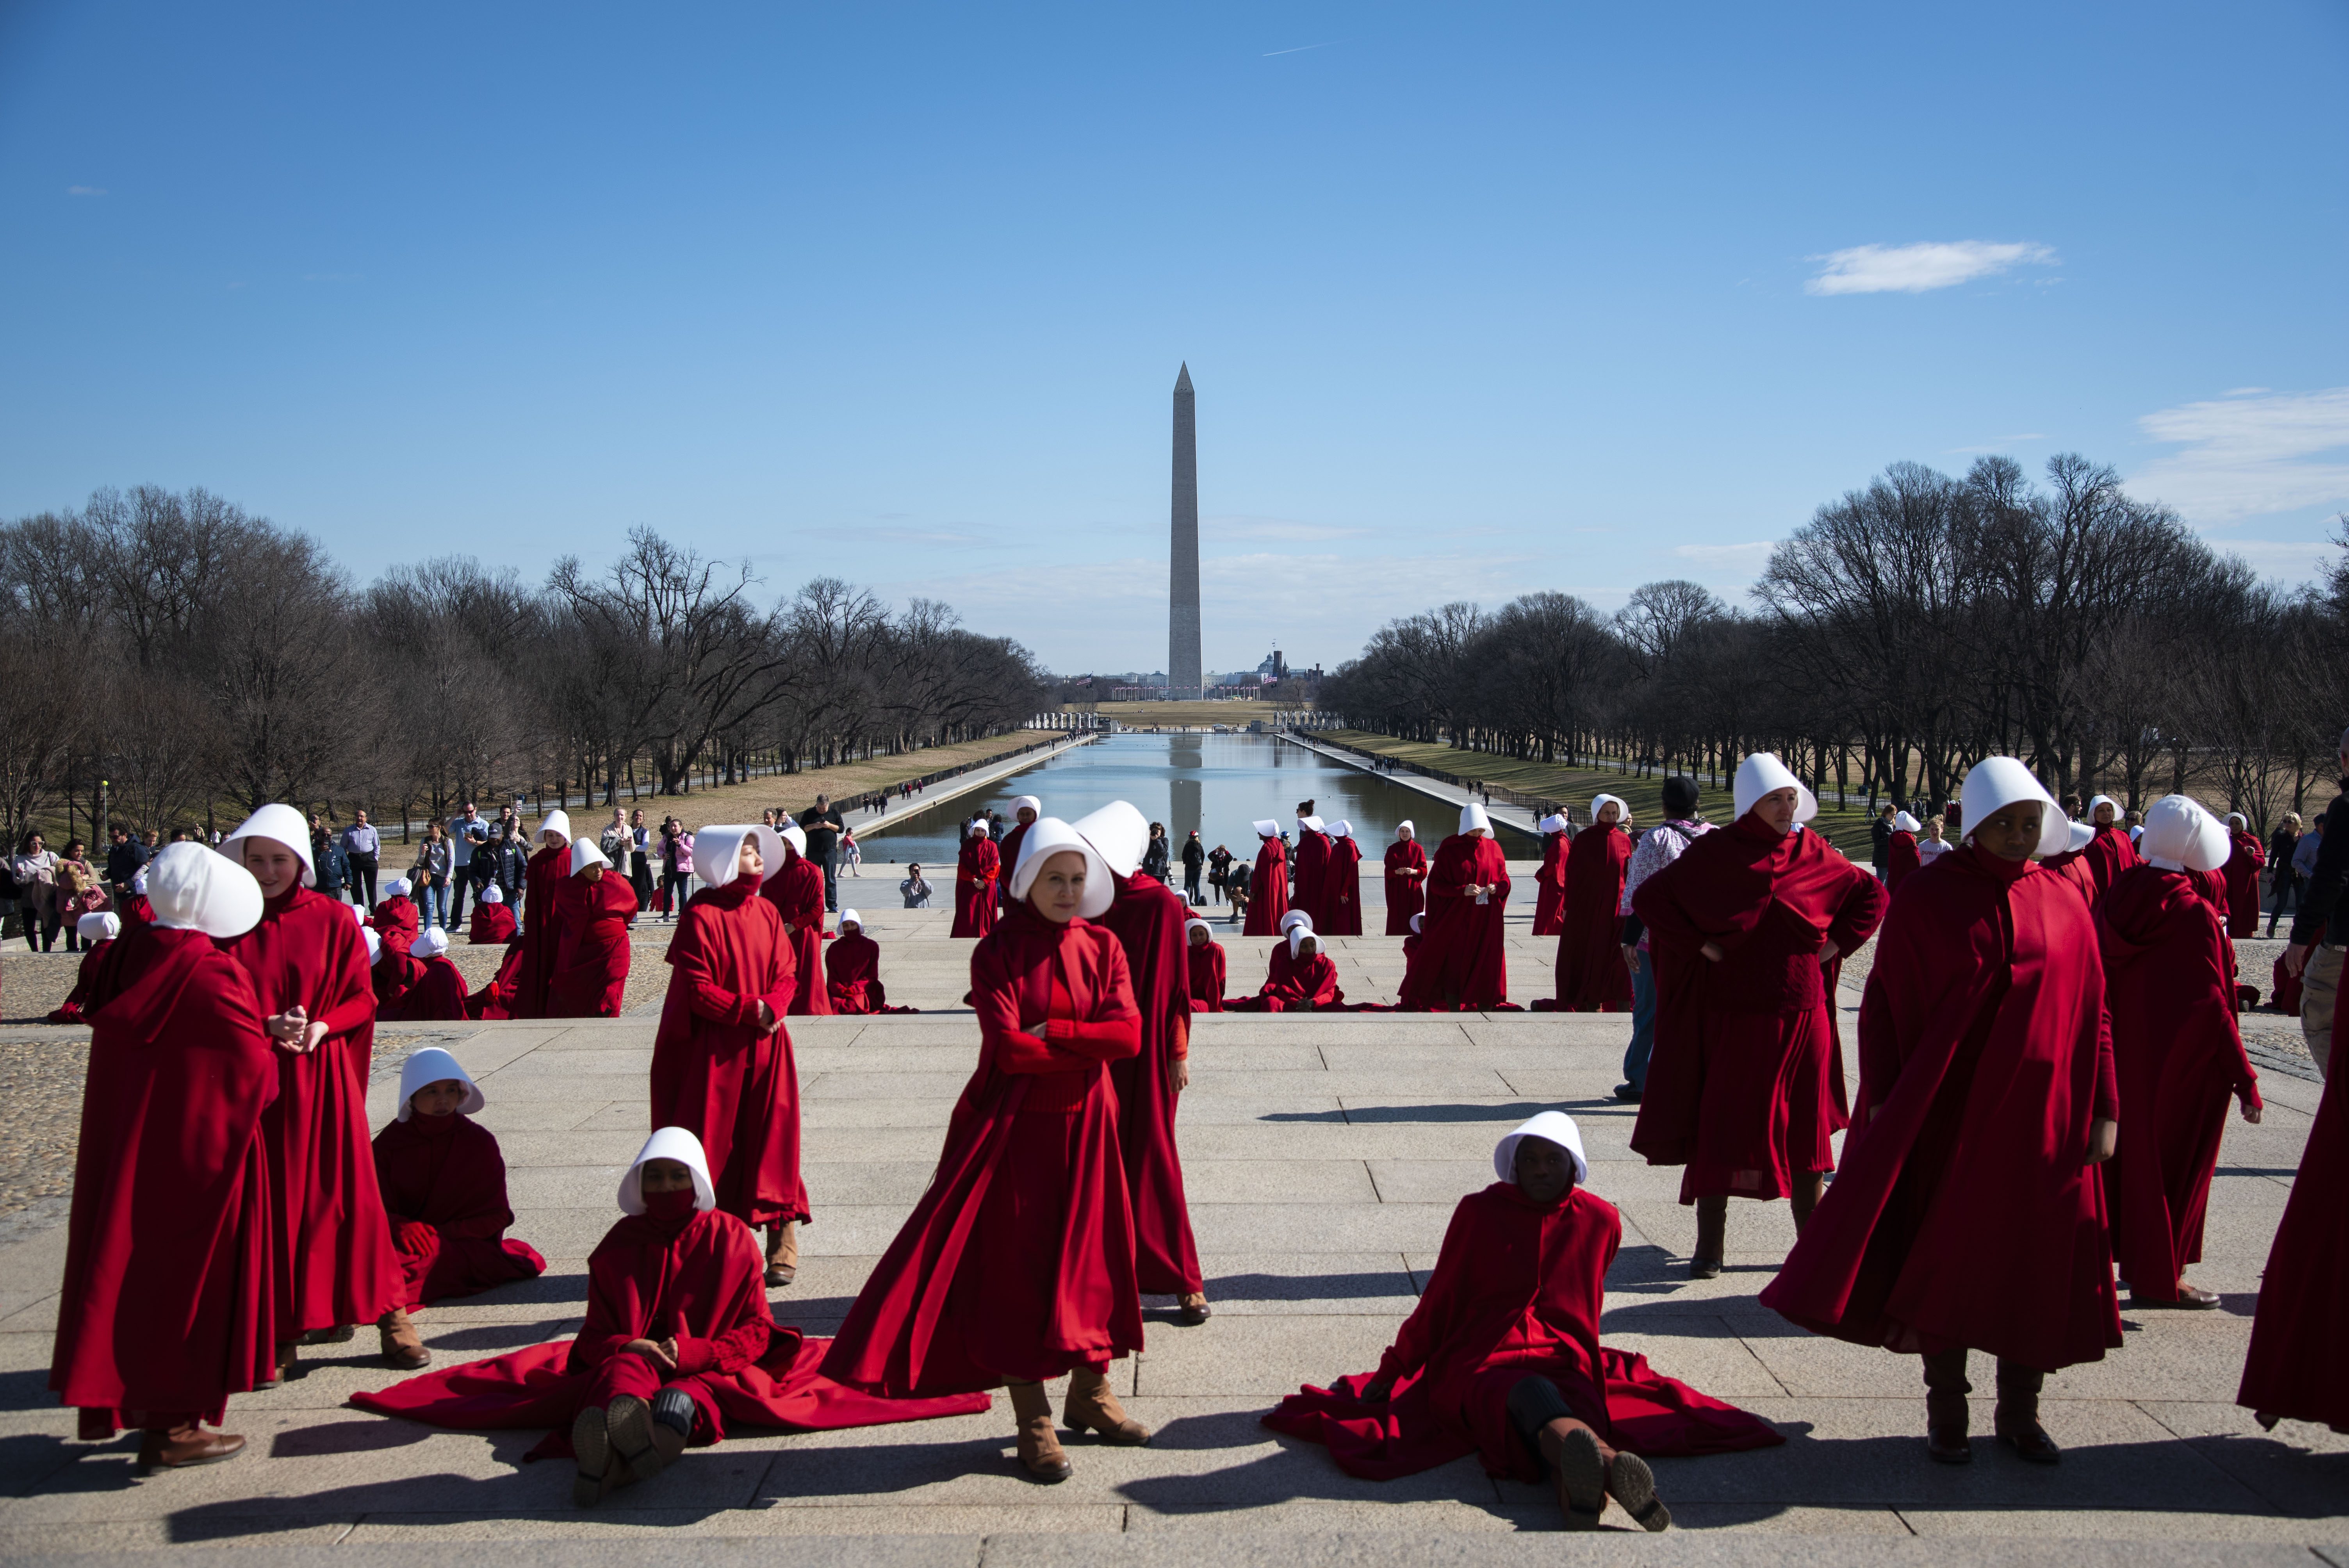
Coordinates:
x,y
2244,391
85,189
1728,557
1916,269
2250,455
2293,560
1238,526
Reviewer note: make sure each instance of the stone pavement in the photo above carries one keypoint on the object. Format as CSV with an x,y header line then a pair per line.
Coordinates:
x,y
1324,1155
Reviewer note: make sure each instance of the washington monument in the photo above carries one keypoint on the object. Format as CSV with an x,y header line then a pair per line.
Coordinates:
x,y
1183,679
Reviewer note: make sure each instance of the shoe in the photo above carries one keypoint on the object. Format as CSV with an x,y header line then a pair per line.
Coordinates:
x,y
403,1347
591,1442
1193,1309
1704,1268
2195,1298
1577,1473
1634,1485
342,1335
2029,1440
1629,1093
2016,1423
645,1444
184,1447
1041,1458
1092,1406
782,1254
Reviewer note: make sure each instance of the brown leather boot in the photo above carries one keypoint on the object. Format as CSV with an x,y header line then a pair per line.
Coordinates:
x,y
782,1252
1578,1470
403,1347
1091,1407
2016,1424
1192,1309
178,1447
1041,1455
1946,1413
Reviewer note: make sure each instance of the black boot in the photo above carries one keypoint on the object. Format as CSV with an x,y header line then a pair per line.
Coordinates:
x,y
1946,1415
2017,1422
1712,1236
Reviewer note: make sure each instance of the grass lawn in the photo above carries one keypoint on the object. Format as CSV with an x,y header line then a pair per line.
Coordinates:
x,y
1847,829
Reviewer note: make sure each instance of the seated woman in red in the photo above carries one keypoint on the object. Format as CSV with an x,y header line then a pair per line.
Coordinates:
x,y
1205,955
1301,978
391,971
395,918
1501,1358
98,933
852,970
436,994
591,910
444,1187
1017,1265
493,922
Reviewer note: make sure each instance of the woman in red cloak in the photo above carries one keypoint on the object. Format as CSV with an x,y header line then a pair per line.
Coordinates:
x,y
1204,957
1969,1213
1025,809
795,887
1746,927
976,872
435,992
334,1263
1406,880
1592,974
852,969
2112,851
2178,1051
1467,889
1147,918
1310,862
1549,883
493,923
1017,1264
1268,884
1901,857
542,937
2298,1365
444,1187
2071,863
98,932
722,1066
1501,1357
166,1306
593,908
1341,885
2246,858
677,1341
1299,977
395,917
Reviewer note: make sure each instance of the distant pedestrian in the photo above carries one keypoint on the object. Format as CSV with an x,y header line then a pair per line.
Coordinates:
x,y
677,866
2319,968
35,870
360,846
1194,857
1219,869
2283,879
851,854
915,889
1156,855
124,856
822,825
469,834
430,875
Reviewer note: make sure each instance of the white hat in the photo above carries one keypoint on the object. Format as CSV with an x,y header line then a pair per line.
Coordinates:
x,y
1028,803
1552,823
670,1143
1120,831
397,887
1310,824
1298,935
1404,827
1047,837
1553,1125
2119,810
2236,819
792,834
99,925
1268,829
1622,806
849,917
430,1066
1998,782
195,888
1342,830
2082,835
583,853
558,822
1763,774
374,943
1196,925
978,826
284,824
1415,920
1472,818
1295,917
492,893
718,852
430,943
2181,836
358,914
1905,823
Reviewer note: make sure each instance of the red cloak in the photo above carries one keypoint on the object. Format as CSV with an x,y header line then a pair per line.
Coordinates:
x,y
2109,853
1341,889
497,1000
395,921
797,892
492,924
547,871
1592,974
649,1279
1965,1212
1147,919
2243,875
435,994
1462,957
1899,859
166,1306
1406,879
1745,1085
1007,860
2298,1365
391,977
76,1004
1309,874
1018,1262
2177,1052
1267,890
715,1073
1517,1293
2071,867
444,1189
976,872
1549,885
851,975
591,960
1294,986
334,1259
1206,965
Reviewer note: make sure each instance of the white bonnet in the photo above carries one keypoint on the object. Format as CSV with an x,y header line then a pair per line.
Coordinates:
x,y
1553,1125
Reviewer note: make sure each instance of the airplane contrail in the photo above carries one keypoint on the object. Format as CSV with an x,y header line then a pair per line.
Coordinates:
x,y
1299,50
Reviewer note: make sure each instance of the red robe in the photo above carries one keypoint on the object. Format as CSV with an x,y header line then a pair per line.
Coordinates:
x,y
1517,1293
76,1006
1294,986
2243,873
1406,895
590,954
797,893
1267,890
334,1260
1148,920
492,924
547,871
1007,860
700,1280
395,921
714,1073
499,997
1018,1262
2178,1051
851,975
1206,963
2108,854
435,994
1549,885
1899,859
2071,866
444,1188
167,1305
1592,974
1311,873
1965,1212
2298,1365
976,872
1342,891
1462,957
394,974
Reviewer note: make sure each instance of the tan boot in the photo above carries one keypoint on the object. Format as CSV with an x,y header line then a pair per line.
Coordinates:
x,y
1092,1408
185,1445
403,1347
1040,1447
782,1252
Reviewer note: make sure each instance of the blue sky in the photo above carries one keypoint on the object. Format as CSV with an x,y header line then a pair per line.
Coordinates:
x,y
1479,299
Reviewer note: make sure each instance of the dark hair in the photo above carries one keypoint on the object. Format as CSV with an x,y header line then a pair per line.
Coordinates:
x,y
1680,796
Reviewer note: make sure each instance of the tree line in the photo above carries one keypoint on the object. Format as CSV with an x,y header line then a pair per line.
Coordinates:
x,y
1909,629
194,656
